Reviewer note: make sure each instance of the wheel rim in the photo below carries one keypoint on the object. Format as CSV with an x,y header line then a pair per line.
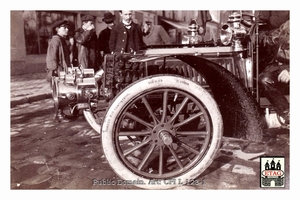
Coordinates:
x,y
162,134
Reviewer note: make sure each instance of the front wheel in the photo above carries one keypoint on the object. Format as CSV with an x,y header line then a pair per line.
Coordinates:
x,y
161,129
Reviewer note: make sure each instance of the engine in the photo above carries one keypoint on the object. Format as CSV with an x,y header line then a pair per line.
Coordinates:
x,y
75,88
120,72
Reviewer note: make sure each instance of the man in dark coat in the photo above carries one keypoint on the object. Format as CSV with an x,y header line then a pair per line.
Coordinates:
x,y
103,38
126,36
86,39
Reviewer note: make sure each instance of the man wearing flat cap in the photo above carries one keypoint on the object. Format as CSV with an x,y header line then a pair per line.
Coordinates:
x,y
58,56
86,39
103,38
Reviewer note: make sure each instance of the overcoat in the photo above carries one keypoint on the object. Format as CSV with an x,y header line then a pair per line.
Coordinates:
x,y
103,41
123,39
58,56
86,48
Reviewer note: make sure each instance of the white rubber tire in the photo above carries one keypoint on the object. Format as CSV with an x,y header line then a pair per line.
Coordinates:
x,y
148,84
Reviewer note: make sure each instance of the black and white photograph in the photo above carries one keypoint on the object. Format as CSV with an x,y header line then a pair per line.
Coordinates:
x,y
166,99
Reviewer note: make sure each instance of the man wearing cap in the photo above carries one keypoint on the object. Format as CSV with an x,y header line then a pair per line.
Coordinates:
x,y
103,38
125,37
86,39
58,55
155,34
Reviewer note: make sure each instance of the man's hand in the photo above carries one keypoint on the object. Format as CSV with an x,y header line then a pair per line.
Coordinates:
x,y
90,27
284,76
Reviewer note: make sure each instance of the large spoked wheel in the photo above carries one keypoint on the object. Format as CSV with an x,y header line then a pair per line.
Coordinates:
x,y
161,128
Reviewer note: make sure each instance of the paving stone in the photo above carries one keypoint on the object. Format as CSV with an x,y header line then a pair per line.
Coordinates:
x,y
46,169
97,173
243,170
38,159
225,185
226,166
228,177
37,179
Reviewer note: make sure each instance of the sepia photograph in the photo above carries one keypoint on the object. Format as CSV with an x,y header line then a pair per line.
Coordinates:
x,y
148,100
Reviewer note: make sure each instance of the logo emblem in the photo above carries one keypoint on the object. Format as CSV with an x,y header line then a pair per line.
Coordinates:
x,y
272,171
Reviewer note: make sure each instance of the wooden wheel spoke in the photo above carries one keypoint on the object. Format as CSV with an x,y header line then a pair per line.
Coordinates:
x,y
136,147
137,119
147,156
196,133
191,118
134,133
189,148
161,158
165,106
146,103
175,156
184,102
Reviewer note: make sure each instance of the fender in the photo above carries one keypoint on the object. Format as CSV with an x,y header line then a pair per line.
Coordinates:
x,y
240,111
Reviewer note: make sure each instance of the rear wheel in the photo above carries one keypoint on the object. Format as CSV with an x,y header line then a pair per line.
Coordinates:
x,y
161,128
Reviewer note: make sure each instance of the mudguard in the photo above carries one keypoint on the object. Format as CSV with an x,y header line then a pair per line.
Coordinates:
x,y
240,111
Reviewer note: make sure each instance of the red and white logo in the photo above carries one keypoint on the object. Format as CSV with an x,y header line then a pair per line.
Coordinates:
x,y
272,171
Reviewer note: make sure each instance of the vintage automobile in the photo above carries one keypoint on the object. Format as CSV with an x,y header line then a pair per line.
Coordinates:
x,y
161,113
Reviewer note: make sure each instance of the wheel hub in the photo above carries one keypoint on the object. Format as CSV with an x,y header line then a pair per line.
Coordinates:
x,y
162,134
166,137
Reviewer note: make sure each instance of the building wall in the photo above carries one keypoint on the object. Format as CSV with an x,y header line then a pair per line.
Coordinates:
x,y
17,43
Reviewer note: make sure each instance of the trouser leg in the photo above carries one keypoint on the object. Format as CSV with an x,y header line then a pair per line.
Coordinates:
x,y
271,89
